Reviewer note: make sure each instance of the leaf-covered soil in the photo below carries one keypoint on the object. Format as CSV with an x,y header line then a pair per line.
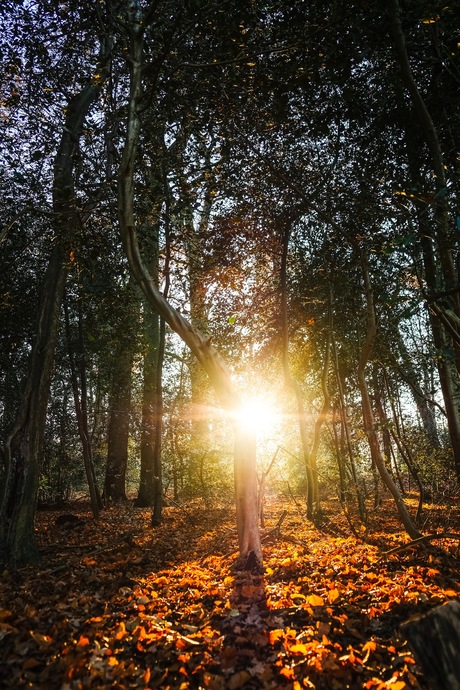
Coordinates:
x,y
120,604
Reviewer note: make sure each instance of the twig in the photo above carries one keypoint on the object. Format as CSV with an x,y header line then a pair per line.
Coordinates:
x,y
178,505
293,498
98,549
276,530
421,540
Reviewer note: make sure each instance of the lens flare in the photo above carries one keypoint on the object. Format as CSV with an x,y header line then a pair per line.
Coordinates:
x,y
257,414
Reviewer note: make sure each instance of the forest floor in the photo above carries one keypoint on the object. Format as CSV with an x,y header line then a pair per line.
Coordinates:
x,y
120,604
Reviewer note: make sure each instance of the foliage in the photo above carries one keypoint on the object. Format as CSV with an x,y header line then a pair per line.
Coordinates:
x,y
160,608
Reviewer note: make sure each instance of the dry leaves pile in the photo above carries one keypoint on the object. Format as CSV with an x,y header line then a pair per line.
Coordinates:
x,y
119,604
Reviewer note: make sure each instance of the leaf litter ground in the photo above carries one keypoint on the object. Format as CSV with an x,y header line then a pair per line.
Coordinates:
x,y
120,604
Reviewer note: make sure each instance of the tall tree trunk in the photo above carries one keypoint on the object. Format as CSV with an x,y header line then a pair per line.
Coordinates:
x,y
150,486
151,394
118,427
339,447
195,230
322,416
347,435
207,355
24,446
404,449
289,378
157,463
117,430
368,416
80,402
448,367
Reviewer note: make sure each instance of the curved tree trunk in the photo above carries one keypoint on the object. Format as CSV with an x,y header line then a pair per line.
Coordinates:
x,y
24,446
207,355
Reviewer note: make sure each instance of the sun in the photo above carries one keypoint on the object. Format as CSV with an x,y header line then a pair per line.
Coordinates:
x,y
257,414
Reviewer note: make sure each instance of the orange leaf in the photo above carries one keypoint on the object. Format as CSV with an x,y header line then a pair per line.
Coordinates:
x,y
332,595
121,632
299,648
370,646
315,600
275,635
287,673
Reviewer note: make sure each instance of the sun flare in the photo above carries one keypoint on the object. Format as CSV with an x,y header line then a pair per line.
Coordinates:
x,y
257,414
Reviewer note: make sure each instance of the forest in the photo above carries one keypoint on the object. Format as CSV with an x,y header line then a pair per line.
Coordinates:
x,y
229,344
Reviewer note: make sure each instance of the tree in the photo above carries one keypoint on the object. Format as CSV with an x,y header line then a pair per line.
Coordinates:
x,y
245,461
120,396
23,449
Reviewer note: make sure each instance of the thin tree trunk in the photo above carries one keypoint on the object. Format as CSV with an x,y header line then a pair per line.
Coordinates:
x,y
322,416
368,416
339,452
346,431
150,408
448,371
118,427
288,377
405,452
157,464
423,404
207,355
82,420
261,492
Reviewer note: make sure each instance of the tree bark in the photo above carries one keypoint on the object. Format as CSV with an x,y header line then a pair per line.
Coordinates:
x,y
207,355
435,640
